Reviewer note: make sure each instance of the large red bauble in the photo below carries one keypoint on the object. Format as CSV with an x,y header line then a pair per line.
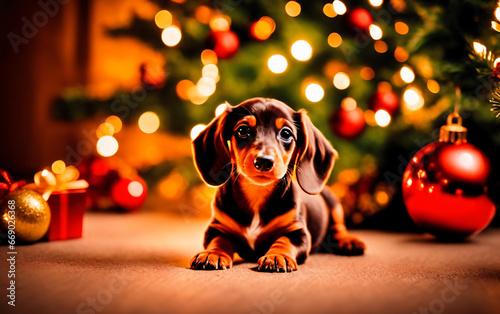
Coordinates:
x,y
384,100
347,124
129,194
359,18
444,190
224,43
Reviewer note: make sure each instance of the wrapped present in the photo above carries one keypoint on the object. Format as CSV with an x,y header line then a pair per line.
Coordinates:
x,y
67,208
66,196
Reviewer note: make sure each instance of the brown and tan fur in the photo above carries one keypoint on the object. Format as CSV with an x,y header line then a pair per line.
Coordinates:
x,y
271,165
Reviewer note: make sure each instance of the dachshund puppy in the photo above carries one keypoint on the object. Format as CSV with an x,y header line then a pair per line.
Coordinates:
x,y
271,165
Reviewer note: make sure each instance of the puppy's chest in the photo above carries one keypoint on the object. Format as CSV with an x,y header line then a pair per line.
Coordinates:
x,y
254,230
256,198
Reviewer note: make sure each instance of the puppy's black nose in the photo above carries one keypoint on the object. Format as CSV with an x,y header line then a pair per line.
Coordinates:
x,y
264,163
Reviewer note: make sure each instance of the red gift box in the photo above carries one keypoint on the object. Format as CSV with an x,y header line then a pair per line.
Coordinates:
x,y
66,208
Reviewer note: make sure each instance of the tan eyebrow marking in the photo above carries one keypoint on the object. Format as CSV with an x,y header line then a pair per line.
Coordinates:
x,y
279,122
251,120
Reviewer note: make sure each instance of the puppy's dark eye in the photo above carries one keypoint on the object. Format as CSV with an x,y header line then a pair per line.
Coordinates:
x,y
286,135
243,131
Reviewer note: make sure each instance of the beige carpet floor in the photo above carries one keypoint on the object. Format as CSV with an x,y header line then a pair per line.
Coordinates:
x,y
136,263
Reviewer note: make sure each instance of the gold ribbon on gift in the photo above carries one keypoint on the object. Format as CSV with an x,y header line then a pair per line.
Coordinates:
x,y
47,182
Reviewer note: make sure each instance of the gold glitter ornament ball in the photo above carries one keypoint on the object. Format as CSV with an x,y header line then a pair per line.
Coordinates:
x,y
32,215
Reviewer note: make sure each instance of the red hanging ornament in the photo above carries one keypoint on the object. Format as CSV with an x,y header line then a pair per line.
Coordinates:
x,y
224,43
129,194
347,123
444,185
359,19
151,80
384,100
496,73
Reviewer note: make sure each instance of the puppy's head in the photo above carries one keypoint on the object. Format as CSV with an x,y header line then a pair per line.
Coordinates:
x,y
265,140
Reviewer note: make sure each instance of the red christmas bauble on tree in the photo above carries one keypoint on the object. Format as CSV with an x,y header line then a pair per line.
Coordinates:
x,y
129,194
100,174
384,100
347,123
151,80
495,74
224,43
444,186
359,19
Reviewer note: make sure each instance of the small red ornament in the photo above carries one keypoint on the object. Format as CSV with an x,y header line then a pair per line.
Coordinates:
x,y
152,80
347,123
359,19
444,186
224,43
496,73
384,100
100,175
129,194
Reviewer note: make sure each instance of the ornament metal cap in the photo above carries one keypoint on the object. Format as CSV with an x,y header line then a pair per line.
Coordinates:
x,y
453,132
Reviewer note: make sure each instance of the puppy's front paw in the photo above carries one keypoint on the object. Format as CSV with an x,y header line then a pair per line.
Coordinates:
x,y
277,263
211,260
348,245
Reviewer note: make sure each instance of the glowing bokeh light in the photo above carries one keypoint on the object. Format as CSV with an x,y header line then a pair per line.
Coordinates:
x,y
413,98
210,71
171,36
182,89
115,122
375,32
203,14
107,146
196,130
370,117
263,28
400,54
277,64
292,8
334,40
380,46
497,13
407,74
220,23
349,103
149,122
205,86
376,3
341,80
383,118
367,73
329,11
104,129
314,92
58,167
135,189
401,28
339,7
301,50
208,56
163,19
433,86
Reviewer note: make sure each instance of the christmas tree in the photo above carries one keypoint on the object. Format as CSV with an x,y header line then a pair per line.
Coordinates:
x,y
378,78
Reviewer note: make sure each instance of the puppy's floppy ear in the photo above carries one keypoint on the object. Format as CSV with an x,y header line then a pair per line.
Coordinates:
x,y
315,156
210,151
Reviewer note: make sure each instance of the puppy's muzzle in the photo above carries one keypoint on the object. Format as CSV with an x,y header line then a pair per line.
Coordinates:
x,y
264,163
